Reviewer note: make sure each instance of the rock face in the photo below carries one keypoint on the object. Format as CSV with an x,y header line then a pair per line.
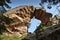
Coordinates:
x,y
21,17
50,33
42,15
55,20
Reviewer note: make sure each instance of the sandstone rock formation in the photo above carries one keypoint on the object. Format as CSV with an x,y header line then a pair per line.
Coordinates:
x,y
42,15
55,20
21,17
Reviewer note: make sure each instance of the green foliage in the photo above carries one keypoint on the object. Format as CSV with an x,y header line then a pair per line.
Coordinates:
x,y
50,3
14,37
2,28
3,4
4,20
4,37
23,36
54,2
41,28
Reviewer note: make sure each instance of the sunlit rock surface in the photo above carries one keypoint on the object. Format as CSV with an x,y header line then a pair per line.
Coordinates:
x,y
21,17
55,20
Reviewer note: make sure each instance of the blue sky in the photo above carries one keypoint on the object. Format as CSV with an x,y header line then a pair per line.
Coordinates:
x,y
34,22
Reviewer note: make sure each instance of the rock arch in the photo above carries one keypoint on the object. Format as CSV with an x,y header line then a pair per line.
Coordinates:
x,y
21,17
42,15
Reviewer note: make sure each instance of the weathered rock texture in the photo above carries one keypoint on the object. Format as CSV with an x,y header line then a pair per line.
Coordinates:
x,y
21,17
55,20
50,33
42,15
